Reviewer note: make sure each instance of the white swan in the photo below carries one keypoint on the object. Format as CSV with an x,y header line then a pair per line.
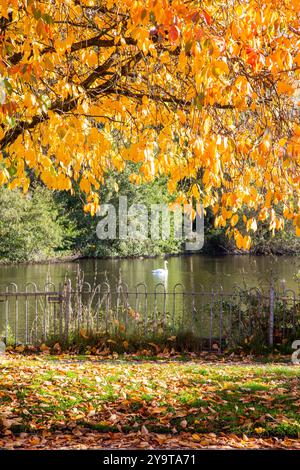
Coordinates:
x,y
160,271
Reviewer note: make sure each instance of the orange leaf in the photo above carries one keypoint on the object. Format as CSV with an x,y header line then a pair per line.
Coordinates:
x,y
207,17
174,33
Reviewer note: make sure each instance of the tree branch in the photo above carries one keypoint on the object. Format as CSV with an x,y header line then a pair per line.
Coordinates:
x,y
294,30
68,104
76,46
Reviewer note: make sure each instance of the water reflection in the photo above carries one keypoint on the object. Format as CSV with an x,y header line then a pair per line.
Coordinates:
x,y
192,271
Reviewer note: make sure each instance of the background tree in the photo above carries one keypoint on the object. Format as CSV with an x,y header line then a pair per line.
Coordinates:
x,y
31,227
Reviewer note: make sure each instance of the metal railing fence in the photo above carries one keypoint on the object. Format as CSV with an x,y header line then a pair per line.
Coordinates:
x,y
215,318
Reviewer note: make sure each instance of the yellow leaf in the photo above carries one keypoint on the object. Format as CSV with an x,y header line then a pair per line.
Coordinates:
x,y
246,242
85,185
29,100
234,220
221,67
92,58
283,87
195,192
215,208
238,239
259,430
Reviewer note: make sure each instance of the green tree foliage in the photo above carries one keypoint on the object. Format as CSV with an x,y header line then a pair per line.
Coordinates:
x,y
30,228
85,240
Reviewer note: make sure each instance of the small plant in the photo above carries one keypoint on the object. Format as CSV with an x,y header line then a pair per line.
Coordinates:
x,y
7,336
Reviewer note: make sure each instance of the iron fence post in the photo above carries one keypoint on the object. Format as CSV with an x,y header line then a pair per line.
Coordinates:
x,y
271,316
68,288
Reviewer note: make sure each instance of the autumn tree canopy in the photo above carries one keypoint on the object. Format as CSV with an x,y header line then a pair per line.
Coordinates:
x,y
204,92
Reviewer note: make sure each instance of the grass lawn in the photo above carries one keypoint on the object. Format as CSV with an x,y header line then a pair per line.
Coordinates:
x,y
63,402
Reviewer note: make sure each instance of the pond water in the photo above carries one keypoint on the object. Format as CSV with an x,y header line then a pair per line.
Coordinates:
x,y
190,270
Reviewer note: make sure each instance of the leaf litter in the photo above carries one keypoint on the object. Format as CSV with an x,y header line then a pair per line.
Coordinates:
x,y
60,402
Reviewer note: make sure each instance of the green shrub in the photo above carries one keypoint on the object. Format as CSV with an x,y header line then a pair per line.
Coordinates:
x,y
30,228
